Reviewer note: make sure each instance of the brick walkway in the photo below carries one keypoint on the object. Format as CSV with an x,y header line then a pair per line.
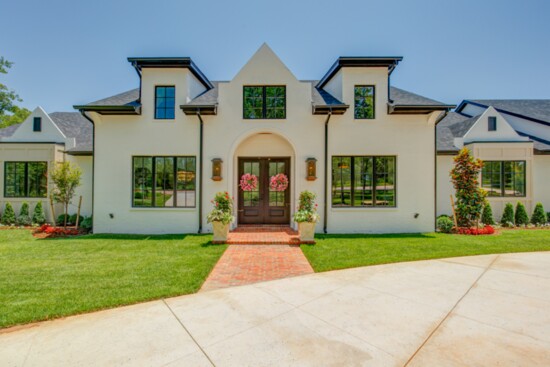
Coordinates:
x,y
263,235
245,264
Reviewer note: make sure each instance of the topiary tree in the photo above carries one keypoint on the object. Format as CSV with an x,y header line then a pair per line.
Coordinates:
x,y
507,219
522,219
539,215
469,196
9,215
38,216
65,178
24,219
487,215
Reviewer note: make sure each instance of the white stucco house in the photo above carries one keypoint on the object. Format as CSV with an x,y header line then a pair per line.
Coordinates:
x,y
512,137
28,151
370,147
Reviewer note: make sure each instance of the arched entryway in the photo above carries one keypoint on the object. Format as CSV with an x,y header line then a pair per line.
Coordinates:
x,y
262,156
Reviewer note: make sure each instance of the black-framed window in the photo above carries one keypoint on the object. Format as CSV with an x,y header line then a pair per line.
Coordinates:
x,y
164,182
264,102
492,123
25,179
165,102
37,124
364,101
504,178
363,181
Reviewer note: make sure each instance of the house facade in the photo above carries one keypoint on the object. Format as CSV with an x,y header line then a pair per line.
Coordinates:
x,y
512,138
162,151
29,151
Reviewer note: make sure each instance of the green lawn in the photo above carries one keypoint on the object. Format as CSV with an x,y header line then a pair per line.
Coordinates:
x,y
346,251
46,278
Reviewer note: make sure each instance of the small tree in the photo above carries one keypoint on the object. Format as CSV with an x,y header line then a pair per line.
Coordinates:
x,y
9,215
65,178
507,219
38,216
469,196
539,215
522,219
487,215
23,219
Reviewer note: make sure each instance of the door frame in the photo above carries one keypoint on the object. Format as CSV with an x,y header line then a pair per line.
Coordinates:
x,y
288,194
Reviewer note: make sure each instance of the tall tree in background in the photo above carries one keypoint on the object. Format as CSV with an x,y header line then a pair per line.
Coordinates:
x,y
10,113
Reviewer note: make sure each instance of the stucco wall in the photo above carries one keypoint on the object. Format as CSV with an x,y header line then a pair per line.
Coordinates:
x,y
541,179
444,186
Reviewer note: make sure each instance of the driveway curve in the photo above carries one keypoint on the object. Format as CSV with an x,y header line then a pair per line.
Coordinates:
x,y
472,311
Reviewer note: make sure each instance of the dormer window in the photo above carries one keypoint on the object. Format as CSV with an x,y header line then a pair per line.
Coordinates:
x,y
264,102
492,124
37,124
165,102
364,101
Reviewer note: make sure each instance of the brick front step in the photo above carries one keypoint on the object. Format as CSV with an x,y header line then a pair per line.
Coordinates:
x,y
263,235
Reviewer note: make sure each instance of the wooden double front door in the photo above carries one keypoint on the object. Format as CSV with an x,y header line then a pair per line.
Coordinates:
x,y
262,205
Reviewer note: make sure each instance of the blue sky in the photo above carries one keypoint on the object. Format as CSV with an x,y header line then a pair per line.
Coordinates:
x,y
72,52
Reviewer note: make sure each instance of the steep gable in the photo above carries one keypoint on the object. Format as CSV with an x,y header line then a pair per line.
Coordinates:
x,y
479,131
50,132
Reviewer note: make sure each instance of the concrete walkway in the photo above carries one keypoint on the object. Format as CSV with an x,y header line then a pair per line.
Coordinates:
x,y
478,311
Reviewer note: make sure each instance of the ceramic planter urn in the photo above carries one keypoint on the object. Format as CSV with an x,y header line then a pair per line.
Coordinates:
x,y
307,231
220,231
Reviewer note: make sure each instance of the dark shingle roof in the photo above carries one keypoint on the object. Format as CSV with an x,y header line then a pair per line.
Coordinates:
x,y
402,97
129,98
207,98
8,131
454,125
535,108
74,125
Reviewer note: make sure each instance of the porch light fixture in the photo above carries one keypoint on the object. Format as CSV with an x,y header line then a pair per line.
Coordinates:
x,y
311,168
217,169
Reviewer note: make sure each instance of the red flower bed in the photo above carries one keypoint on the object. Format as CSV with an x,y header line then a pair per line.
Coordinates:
x,y
476,231
57,231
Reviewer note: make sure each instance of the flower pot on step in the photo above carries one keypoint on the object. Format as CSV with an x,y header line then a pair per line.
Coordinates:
x,y
221,231
307,231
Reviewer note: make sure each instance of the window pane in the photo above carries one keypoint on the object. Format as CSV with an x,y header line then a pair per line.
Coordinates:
x,y
185,182
491,178
385,181
252,198
143,181
364,102
276,198
363,175
165,102
275,102
37,179
252,102
341,181
9,179
170,92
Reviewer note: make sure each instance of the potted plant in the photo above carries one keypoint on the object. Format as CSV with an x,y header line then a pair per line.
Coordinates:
x,y
306,216
221,216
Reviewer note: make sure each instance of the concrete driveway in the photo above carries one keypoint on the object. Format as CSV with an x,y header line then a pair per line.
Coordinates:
x,y
474,311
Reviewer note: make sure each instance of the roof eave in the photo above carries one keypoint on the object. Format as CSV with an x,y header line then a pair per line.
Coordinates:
x,y
199,109
170,62
417,109
387,61
79,152
329,109
111,110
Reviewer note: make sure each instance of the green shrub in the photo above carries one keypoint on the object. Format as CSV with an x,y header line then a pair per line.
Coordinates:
x,y
507,219
72,219
444,224
61,219
87,223
539,215
24,209
487,215
39,217
23,220
522,219
9,215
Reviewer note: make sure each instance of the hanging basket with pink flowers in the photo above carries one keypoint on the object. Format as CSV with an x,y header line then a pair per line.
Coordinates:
x,y
279,182
248,182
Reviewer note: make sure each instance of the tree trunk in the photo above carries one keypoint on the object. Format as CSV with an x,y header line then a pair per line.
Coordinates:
x,y
66,214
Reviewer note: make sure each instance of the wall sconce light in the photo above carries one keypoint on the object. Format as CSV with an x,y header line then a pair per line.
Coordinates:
x,y
311,169
217,169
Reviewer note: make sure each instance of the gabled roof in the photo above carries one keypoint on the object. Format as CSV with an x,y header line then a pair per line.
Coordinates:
x,y
8,131
456,125
205,103
122,103
74,125
405,102
537,110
